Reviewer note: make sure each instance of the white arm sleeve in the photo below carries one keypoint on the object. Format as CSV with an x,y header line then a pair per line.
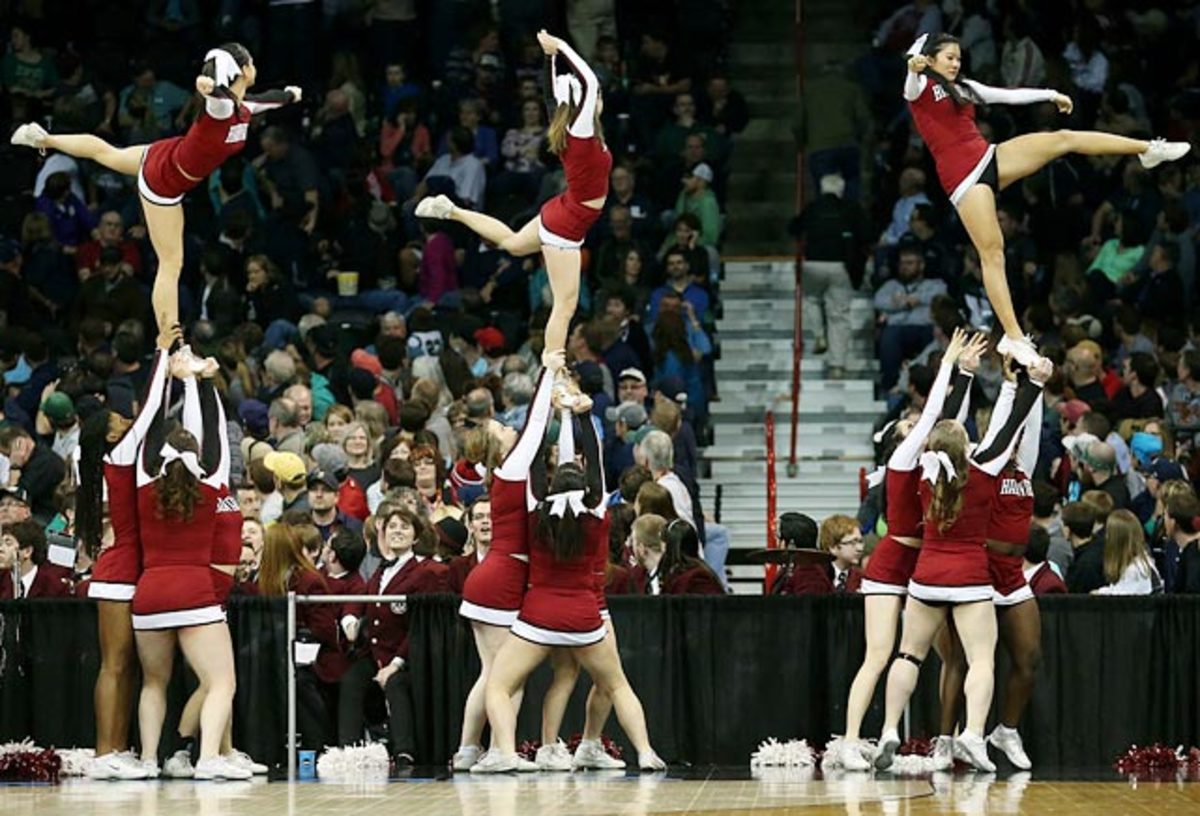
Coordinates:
x,y
914,86
566,437
515,466
1031,439
125,452
1009,96
218,108
584,124
905,456
193,417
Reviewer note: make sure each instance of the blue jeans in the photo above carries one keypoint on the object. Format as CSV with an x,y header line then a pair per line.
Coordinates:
x,y
845,161
716,549
897,344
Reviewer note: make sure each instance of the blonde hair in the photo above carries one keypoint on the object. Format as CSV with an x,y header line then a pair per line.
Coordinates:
x,y
648,531
564,115
949,437
1099,501
1124,543
834,529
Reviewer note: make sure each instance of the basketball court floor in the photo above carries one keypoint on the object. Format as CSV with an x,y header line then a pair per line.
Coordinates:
x,y
710,791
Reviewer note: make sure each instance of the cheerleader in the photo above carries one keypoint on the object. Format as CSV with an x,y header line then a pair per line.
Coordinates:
x,y
109,445
167,169
972,171
174,601
494,590
559,229
952,567
895,557
560,609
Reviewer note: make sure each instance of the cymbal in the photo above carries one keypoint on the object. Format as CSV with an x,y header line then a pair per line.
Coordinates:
x,y
781,555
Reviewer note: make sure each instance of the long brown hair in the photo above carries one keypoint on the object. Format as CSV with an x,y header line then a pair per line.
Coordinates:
x,y
562,535
948,436
283,553
670,334
1124,543
179,489
564,115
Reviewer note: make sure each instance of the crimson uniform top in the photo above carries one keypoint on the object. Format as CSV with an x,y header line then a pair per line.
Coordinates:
x,y
949,131
332,662
118,565
818,579
386,630
320,620
695,580
1043,580
586,161
1012,505
202,401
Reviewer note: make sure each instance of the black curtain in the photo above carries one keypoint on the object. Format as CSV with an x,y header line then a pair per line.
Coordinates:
x,y
715,675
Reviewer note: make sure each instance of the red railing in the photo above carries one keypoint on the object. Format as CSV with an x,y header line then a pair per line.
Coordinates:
x,y
772,537
798,323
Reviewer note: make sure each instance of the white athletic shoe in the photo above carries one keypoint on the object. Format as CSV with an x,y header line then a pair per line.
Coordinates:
x,y
34,135
438,206
465,757
494,762
219,768
150,766
972,749
885,754
1022,350
116,765
851,758
590,755
1160,151
651,762
1008,740
179,766
554,757
943,753
243,760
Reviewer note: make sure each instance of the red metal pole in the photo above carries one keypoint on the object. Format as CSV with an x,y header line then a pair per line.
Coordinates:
x,y
772,537
798,323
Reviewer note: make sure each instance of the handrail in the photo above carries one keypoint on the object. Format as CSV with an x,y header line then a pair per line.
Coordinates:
x,y
772,537
798,323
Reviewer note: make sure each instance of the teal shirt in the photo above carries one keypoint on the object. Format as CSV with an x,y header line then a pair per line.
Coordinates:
x,y
1115,262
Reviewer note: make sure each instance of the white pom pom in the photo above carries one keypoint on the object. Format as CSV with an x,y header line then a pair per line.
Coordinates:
x,y
76,761
355,763
772,753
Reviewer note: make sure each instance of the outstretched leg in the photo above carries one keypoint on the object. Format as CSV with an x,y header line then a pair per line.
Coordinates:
x,y
1024,155
165,225
564,268
125,160
977,211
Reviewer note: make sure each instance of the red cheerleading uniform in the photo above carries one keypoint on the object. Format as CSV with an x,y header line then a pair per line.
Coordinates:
x,y
600,577
494,589
172,167
952,565
561,606
891,563
1012,510
227,541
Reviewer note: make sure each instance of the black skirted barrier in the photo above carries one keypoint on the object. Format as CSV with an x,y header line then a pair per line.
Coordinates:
x,y
716,675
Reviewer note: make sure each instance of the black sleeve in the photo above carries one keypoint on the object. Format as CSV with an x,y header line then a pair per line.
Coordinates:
x,y
156,435
589,444
958,393
210,450
538,481
993,457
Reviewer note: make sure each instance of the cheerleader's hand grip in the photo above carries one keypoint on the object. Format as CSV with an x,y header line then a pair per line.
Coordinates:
x,y
205,85
296,91
918,63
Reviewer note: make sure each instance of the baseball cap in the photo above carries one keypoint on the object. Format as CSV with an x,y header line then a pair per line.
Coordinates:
x,y
673,388
1072,410
287,466
702,170
361,358
253,414
591,378
632,374
325,477
18,493
330,457
1145,447
1165,470
452,533
490,339
632,414
59,408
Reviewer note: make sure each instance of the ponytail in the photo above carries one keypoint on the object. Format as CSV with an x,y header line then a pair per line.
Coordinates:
x,y
89,498
948,437
960,94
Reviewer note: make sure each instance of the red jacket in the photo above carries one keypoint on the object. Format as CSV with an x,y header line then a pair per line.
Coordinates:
x,y
386,628
817,579
459,569
1045,581
352,499
618,581
696,580
332,662
51,581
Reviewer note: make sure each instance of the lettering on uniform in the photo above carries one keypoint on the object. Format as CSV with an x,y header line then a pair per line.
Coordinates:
x,y
1017,487
939,93
237,133
228,504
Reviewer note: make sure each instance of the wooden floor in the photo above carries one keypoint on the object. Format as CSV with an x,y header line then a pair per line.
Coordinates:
x,y
599,795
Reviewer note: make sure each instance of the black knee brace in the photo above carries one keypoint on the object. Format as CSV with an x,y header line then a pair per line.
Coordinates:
x,y
916,661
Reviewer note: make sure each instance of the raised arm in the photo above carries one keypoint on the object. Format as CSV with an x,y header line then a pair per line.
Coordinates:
x,y
516,466
1031,439
593,460
125,452
1009,96
583,125
905,456
270,100
215,449
958,404
994,452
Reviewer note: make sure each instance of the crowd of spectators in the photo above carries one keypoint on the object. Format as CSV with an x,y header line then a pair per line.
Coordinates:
x,y
1100,257
363,351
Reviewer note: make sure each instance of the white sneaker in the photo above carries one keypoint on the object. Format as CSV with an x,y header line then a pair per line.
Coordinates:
x,y
465,757
494,762
885,754
179,766
972,749
439,206
243,760
1008,740
651,762
150,766
34,135
590,755
943,753
116,765
218,768
1160,151
851,756
1020,349
554,757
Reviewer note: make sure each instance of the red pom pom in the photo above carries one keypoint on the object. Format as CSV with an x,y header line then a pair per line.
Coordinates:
x,y
1159,761
37,765
528,749
916,747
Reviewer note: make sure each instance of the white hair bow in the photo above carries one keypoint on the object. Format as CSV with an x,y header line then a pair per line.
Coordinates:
x,y
918,47
567,89
875,477
934,463
227,67
559,502
190,460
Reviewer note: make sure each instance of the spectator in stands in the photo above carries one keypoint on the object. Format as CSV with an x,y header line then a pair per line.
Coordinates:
x,y
679,282
1088,64
1047,515
485,145
1183,399
290,474
1087,567
361,462
657,453
617,245
1044,576
622,191
1138,397
679,345
696,198
56,418
1158,293
722,107
619,306
522,150
833,231
458,173
903,313
1022,64
289,175
150,106
111,295
14,505
657,77
110,232
1083,369
35,577
41,471
323,489
478,515
1128,569
1182,526
833,120
1097,463
912,193
284,425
